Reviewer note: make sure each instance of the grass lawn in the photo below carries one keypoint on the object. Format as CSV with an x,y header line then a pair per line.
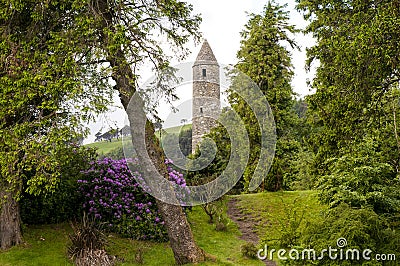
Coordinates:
x,y
44,245
177,129
104,147
47,244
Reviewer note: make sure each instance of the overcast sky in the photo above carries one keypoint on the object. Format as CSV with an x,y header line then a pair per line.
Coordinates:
x,y
223,20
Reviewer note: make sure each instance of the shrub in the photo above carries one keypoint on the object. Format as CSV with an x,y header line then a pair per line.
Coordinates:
x,y
222,224
363,178
362,228
87,245
249,250
113,196
64,203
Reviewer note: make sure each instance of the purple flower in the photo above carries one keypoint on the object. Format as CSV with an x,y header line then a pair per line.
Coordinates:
x,y
112,192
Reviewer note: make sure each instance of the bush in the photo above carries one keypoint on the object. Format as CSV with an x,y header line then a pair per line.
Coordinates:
x,y
249,250
362,228
88,245
113,196
65,202
362,178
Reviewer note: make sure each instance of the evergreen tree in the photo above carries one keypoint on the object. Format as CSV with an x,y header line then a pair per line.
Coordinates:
x,y
264,58
355,113
358,55
355,106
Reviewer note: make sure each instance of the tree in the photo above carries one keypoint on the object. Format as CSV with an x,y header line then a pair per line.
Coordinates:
x,y
264,58
355,113
356,82
80,44
43,88
357,51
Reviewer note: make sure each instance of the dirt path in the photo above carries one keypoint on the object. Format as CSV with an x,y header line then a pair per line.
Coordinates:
x,y
246,224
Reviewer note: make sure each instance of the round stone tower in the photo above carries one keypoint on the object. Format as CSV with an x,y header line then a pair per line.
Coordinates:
x,y
206,93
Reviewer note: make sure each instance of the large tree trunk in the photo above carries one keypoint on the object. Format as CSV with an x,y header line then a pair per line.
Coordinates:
x,y
180,235
149,152
10,221
179,232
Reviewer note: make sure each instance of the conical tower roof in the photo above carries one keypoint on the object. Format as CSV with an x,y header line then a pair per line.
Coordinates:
x,y
206,53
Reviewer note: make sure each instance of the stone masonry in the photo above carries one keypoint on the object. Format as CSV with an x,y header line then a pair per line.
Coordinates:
x,y
206,94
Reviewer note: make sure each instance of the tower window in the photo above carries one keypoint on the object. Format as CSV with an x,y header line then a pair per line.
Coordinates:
x,y
204,72
201,110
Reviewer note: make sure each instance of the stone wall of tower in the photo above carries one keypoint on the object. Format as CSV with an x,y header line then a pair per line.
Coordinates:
x,y
206,95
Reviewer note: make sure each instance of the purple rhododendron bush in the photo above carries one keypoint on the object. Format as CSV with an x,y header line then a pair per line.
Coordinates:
x,y
114,197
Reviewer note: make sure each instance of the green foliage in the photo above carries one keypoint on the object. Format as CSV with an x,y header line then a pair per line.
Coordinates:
x,y
301,176
264,58
249,250
178,145
362,228
354,113
87,236
202,156
57,59
222,223
362,179
357,52
290,225
44,87
64,203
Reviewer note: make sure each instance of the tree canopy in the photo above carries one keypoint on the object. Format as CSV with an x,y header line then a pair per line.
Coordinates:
x,y
59,58
265,58
354,113
358,56
44,100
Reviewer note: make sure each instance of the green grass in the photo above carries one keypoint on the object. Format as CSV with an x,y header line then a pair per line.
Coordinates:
x,y
273,211
150,252
47,244
44,245
280,215
177,129
225,246
104,147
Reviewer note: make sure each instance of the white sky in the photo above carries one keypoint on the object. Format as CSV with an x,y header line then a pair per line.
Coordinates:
x,y
223,20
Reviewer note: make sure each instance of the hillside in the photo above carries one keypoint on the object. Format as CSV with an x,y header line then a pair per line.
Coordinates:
x,y
104,147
